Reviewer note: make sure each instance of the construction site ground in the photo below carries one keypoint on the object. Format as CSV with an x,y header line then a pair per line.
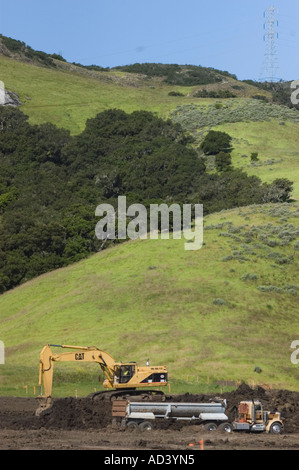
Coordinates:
x,y
83,424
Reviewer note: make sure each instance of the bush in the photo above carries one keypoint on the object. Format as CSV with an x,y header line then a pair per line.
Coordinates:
x,y
277,290
216,142
175,93
254,157
219,302
249,277
214,94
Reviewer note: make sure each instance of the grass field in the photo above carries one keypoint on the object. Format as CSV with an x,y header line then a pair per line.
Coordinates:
x,y
275,137
210,315
69,98
276,144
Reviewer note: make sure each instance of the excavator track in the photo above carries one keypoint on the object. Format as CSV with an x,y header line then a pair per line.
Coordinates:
x,y
136,395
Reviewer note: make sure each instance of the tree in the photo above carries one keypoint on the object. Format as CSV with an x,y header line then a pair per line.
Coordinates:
x,y
215,142
223,161
254,157
279,191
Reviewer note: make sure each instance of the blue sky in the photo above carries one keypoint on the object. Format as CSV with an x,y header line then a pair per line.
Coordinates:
x,y
224,34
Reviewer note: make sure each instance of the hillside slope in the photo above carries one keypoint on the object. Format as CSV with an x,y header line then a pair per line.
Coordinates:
x,y
212,314
268,129
67,95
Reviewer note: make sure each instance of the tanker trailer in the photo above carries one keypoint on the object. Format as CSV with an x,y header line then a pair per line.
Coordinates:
x,y
147,414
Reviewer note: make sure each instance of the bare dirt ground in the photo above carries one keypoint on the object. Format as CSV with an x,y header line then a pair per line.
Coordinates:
x,y
83,424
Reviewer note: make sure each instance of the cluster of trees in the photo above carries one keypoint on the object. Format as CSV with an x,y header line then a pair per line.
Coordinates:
x,y
219,144
51,183
214,94
174,74
20,47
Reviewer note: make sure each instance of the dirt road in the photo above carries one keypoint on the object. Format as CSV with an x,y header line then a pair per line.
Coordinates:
x,y
79,424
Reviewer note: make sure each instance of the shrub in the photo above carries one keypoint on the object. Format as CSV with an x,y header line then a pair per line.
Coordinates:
x,y
276,289
219,301
175,93
249,277
216,142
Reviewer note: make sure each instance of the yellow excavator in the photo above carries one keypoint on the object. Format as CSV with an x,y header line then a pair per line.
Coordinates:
x,y
122,378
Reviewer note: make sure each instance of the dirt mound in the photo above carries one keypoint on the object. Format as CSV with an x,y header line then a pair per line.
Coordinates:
x,y
85,413
77,413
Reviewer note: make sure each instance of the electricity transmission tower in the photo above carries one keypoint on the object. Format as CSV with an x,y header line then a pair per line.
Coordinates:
x,y
270,68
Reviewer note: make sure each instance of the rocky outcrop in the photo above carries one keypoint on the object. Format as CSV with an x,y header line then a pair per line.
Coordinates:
x,y
9,98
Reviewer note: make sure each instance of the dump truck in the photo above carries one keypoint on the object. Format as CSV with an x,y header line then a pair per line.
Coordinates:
x,y
146,414
122,378
251,417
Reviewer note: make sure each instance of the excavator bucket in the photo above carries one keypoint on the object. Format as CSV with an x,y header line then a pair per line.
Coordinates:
x,y
45,403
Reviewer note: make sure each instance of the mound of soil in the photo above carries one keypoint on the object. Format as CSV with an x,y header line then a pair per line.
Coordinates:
x,y
77,413
85,413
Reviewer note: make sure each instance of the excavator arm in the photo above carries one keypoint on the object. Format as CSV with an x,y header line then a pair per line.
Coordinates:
x,y
80,354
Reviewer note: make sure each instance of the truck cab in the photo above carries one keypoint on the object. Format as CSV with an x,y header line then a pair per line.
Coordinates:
x,y
252,418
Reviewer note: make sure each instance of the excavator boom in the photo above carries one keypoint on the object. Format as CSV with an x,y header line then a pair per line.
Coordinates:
x,y
80,353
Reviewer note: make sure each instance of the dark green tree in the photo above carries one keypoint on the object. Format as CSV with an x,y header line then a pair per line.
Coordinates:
x,y
279,191
254,157
215,142
223,161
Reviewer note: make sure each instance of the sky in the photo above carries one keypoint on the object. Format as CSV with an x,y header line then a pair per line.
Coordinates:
x,y
223,34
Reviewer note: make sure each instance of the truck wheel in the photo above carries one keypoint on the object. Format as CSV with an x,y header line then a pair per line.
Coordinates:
x,y
276,428
146,426
210,426
226,427
132,425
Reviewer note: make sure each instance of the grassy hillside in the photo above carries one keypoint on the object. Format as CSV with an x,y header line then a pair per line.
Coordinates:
x,y
277,145
212,314
69,96
269,129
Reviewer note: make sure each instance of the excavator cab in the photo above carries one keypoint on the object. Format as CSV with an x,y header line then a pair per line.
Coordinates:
x,y
123,373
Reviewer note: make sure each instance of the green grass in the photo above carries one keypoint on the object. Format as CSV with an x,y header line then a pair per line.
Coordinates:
x,y
275,139
276,144
190,310
69,97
